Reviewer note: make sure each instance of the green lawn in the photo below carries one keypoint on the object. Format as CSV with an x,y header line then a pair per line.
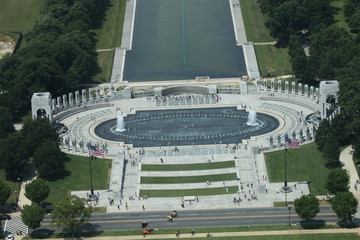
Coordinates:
x,y
305,164
188,179
18,15
340,15
78,177
189,192
105,61
254,22
187,167
15,187
109,35
273,61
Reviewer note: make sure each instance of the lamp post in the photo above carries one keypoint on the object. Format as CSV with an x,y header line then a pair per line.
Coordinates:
x,y
289,208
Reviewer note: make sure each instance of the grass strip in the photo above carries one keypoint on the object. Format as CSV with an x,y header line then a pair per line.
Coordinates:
x,y
189,179
305,164
254,22
273,61
189,192
105,61
187,167
77,178
197,230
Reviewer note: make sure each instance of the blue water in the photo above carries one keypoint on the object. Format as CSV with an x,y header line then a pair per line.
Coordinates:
x,y
183,39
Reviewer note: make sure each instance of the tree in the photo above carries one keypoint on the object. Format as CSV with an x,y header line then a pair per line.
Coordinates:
x,y
71,213
337,181
6,125
38,131
307,206
49,160
331,149
37,191
5,192
344,205
32,215
322,133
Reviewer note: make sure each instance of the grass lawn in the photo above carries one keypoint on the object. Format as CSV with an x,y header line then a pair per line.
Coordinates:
x,y
109,35
305,164
105,61
189,192
18,15
254,22
273,61
340,15
187,167
188,179
14,186
77,177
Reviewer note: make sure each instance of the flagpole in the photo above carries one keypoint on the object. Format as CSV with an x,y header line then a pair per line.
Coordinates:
x,y
285,183
91,179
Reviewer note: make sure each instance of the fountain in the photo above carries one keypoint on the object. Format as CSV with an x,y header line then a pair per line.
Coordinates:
x,y
252,118
120,125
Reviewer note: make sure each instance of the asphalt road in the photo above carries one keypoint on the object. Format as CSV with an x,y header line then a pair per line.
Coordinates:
x,y
201,218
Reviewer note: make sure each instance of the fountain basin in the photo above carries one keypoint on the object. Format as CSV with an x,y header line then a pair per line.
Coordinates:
x,y
186,127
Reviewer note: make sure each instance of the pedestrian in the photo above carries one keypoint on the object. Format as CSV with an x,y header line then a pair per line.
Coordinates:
x,y
192,232
126,205
162,161
143,207
177,233
227,190
118,207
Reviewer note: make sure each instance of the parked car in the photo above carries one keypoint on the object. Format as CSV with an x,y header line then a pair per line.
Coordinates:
x,y
10,237
5,217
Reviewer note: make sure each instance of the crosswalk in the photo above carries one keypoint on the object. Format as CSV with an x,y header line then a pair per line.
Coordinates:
x,y
14,226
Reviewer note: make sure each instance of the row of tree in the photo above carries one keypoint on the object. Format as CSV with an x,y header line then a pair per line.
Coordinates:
x,y
59,53
344,203
71,213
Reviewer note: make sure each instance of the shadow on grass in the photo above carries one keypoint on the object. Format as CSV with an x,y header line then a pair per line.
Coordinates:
x,y
332,165
42,233
312,224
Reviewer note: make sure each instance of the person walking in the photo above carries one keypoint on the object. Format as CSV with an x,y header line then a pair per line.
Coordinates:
x,y
177,233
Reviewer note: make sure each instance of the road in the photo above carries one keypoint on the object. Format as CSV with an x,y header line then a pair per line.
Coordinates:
x,y
201,218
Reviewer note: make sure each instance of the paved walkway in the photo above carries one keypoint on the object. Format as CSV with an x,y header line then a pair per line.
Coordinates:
x,y
231,234
346,158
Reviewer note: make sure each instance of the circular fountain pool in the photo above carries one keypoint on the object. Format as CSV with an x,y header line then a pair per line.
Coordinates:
x,y
186,127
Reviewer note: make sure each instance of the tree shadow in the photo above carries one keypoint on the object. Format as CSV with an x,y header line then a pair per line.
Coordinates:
x,y
61,175
355,223
42,233
100,14
312,224
332,165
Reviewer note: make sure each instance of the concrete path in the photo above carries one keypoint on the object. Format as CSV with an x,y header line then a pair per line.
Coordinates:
x,y
346,158
230,234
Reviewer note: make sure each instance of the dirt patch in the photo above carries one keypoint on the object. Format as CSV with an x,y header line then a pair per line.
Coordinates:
x,y
7,45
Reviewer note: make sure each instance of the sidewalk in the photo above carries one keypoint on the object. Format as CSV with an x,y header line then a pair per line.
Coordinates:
x,y
346,159
229,234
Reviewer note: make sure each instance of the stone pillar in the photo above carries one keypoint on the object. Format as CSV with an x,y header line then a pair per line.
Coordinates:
x,y
293,88
83,94
91,95
53,104
112,87
158,91
286,87
317,97
307,134
327,88
106,94
243,88
300,89
312,92
271,142
77,98
265,85
65,101
98,96
279,141
258,85
306,90
272,85
280,86
71,100
59,104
